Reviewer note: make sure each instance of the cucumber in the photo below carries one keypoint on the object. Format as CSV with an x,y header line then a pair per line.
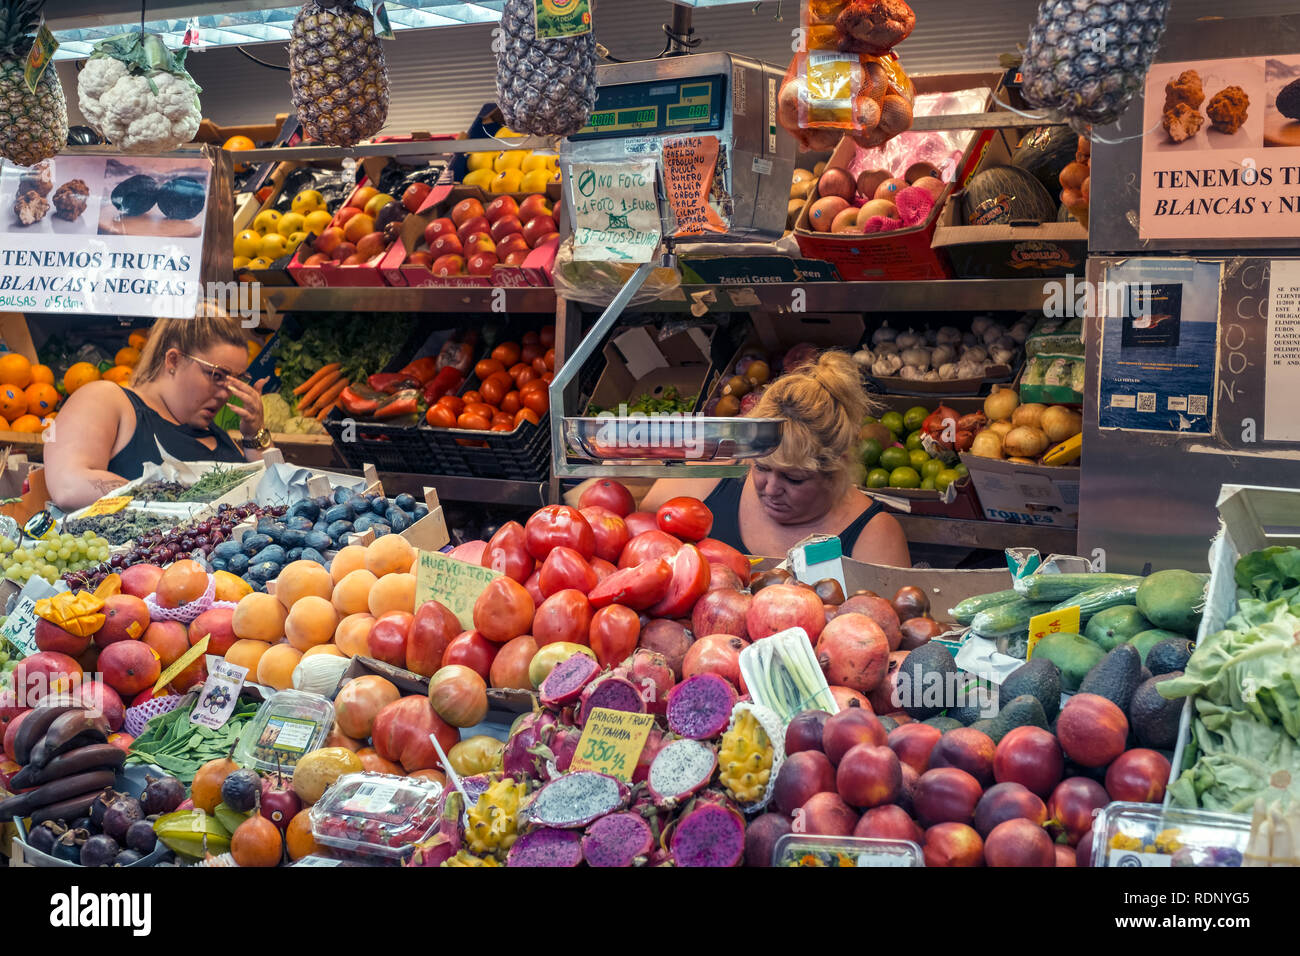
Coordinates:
x,y
965,612
1007,619
1059,587
1096,600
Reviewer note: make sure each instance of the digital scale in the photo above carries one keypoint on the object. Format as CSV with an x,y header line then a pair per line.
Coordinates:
x,y
640,106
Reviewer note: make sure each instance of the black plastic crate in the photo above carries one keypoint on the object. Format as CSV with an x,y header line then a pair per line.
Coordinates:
x,y
520,455
398,448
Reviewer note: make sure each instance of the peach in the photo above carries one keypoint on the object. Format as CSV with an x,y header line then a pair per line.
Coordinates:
x,y
275,667
311,621
260,617
247,654
353,634
352,593
392,592
348,559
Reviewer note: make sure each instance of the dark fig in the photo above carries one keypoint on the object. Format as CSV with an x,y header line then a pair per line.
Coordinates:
x,y
162,795
829,590
99,850
141,838
241,789
910,602
123,812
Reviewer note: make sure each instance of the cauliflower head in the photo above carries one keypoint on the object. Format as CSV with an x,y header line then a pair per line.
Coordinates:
x,y
151,114
96,78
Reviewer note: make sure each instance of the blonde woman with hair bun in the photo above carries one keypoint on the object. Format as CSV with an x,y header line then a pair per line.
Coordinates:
x,y
806,485
188,370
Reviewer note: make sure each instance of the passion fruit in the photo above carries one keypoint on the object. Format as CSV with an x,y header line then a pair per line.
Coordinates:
x,y
240,791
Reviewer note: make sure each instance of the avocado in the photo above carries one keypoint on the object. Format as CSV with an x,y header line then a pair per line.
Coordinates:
x,y
974,694
924,678
1171,654
1154,719
1022,711
1116,677
1073,655
1173,600
1115,625
1038,677
1149,639
984,726
943,723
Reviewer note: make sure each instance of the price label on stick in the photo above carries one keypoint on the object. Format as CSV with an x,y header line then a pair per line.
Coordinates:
x,y
107,506
456,584
182,662
612,741
1065,621
220,694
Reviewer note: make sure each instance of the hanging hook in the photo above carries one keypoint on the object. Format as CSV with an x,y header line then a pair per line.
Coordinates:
x,y
143,4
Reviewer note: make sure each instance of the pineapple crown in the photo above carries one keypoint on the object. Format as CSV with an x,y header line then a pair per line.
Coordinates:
x,y
18,21
145,55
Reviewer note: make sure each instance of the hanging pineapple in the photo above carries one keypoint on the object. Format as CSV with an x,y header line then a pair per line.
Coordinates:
x,y
546,87
1086,58
33,126
337,75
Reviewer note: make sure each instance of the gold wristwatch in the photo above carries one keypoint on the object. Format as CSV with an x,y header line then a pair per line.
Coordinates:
x,y
259,442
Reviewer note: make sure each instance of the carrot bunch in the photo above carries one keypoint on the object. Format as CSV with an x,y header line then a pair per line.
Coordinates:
x,y
319,394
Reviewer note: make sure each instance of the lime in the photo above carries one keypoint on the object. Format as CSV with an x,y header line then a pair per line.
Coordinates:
x,y
871,452
931,468
870,420
913,441
904,478
961,470
918,459
945,478
927,484
894,457
914,416
893,421
877,478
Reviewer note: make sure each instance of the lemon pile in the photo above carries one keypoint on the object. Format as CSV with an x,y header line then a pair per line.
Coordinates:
x,y
512,171
274,234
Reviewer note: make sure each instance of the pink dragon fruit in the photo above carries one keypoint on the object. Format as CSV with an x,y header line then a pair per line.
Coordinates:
x,y
612,693
544,847
620,839
562,748
654,742
475,786
650,671
446,840
700,706
565,682
708,833
530,731
577,799
679,770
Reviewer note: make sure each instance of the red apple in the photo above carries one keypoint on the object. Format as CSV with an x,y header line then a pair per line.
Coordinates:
x,y
502,207
471,226
479,242
465,210
345,251
547,238
420,257
537,227
140,580
126,618
534,205
448,266
129,667
515,242
314,260
482,264
448,244
439,227
515,258
506,226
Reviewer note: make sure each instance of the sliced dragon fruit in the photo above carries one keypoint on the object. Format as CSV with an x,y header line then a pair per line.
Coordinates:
x,y
562,748
576,799
612,693
446,840
700,706
709,833
475,786
649,670
680,769
617,840
520,758
545,847
565,682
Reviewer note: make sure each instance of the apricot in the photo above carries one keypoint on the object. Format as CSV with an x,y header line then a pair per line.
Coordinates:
x,y
259,617
352,594
311,621
391,554
230,587
275,669
247,654
347,560
300,579
393,592
352,637
329,650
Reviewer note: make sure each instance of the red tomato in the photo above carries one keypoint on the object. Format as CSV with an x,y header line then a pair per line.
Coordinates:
x,y
507,353
613,634
549,359
639,522
414,196
537,401
503,611
557,525
547,335
502,426
486,367
719,552
647,546
440,416
534,588
472,650
638,588
525,376
563,569
530,351
454,402
548,378
480,408
526,415
505,552
473,422
471,396
510,403
564,616
610,495
689,583
539,365
517,368
602,568
610,531
493,391
687,518
531,338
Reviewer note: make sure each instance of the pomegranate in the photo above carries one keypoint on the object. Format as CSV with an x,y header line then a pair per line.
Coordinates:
x,y
722,611
669,639
778,607
716,654
853,652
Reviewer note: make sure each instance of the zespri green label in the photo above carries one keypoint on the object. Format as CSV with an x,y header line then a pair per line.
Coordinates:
x,y
561,18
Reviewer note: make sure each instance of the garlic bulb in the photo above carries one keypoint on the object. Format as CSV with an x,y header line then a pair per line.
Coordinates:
x,y
1006,342
947,336
911,373
930,376
968,340
883,334
1020,331
887,348
975,353
993,333
980,324
864,358
948,372
917,358
967,369
942,355
1001,356
886,365
908,340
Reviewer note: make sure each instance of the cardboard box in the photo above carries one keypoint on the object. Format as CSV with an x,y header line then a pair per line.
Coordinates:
x,y
754,270
1026,494
1015,251
25,481
922,502
638,362
902,254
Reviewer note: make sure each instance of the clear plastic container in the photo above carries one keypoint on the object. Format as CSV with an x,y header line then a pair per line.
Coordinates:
x,y
797,849
1146,834
288,725
376,814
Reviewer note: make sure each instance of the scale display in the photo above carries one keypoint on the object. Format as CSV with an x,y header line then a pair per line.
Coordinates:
x,y
657,107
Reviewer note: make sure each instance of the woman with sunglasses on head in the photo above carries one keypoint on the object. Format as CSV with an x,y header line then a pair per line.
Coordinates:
x,y
188,370
805,486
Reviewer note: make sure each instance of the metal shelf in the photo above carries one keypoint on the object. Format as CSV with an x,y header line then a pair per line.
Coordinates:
x,y
931,295
996,535
495,491
392,299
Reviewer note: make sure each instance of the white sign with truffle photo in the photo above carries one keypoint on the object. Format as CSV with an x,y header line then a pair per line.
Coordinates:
x,y
1221,151
109,235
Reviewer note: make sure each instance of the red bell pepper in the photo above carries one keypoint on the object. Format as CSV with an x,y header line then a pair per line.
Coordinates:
x,y
422,369
390,383
404,403
355,404
445,382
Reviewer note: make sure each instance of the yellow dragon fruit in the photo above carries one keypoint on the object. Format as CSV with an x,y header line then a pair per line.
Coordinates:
x,y
494,819
745,759
465,858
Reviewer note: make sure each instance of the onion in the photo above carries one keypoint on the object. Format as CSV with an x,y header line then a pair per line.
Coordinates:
x,y
1002,429
1031,415
1000,405
1060,423
1025,441
863,357
987,445
942,355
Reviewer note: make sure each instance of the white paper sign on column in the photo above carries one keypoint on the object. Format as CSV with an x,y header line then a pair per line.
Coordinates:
x,y
616,211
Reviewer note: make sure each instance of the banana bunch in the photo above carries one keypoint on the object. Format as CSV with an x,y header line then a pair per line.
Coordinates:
x,y
66,758
782,673
192,833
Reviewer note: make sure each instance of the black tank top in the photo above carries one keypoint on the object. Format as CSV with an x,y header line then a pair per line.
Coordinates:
x,y
179,441
724,502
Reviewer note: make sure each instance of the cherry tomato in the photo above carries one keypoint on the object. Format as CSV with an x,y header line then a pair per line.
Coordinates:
x,y
539,365
547,335
538,400
506,553
480,408
610,531
555,526
492,391
638,588
549,359
440,416
531,352
531,338
486,367
507,353
613,634
454,402
687,518
689,582
526,415
472,422
608,494
525,376
647,546
564,616
510,402
565,568
503,611
471,396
